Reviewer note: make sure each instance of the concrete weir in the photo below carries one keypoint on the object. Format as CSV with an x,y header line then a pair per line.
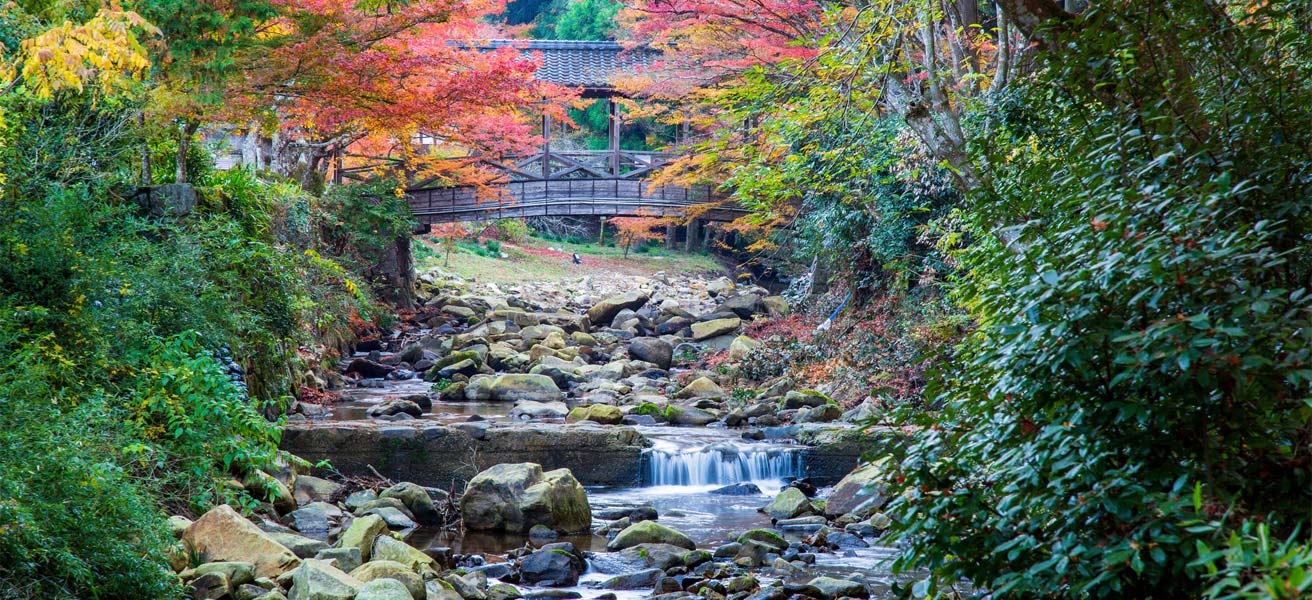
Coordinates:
x,y
444,456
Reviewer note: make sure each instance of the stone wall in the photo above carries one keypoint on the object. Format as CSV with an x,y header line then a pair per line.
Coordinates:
x,y
446,456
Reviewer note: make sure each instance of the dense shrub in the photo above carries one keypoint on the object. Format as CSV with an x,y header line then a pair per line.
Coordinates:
x,y
1136,394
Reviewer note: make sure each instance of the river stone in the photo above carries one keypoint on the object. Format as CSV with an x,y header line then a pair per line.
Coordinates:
x,y
416,499
702,387
361,534
660,556
597,413
387,569
236,573
387,547
346,559
639,580
469,590
301,546
605,311
743,305
752,554
764,536
513,387
859,493
266,487
223,535
819,414
653,350
503,591
385,589
839,588
738,489
395,406
689,415
515,497
791,502
550,568
394,518
178,525
318,580
776,306
368,368
649,532
742,347
529,409
715,327
357,499
314,517
210,586
803,398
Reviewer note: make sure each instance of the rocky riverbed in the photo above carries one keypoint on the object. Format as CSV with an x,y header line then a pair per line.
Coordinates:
x,y
554,441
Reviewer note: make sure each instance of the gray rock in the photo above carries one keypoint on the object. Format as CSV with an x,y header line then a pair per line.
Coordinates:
x,y
396,406
652,350
831,587
649,532
638,580
385,589
515,497
550,568
606,310
859,493
416,499
347,559
317,580
791,502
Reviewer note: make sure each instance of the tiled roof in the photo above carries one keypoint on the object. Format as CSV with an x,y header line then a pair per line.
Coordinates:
x,y
575,63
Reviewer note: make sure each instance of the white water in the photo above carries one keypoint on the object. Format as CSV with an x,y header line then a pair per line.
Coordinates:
x,y
721,463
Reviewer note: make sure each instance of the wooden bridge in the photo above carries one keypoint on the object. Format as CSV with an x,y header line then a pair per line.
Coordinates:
x,y
570,184
556,183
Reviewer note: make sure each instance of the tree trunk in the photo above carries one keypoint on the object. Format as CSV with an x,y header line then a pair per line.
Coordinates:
x,y
189,128
250,147
147,178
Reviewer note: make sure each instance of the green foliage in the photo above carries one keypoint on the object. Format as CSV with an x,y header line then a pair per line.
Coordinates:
x,y
511,230
588,20
1142,367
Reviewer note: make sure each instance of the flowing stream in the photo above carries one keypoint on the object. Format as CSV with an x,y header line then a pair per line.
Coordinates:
x,y
678,475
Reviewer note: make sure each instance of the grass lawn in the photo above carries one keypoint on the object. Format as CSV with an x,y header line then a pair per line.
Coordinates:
x,y
538,259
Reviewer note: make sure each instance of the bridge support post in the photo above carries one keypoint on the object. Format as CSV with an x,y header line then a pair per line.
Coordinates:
x,y
671,236
694,235
613,110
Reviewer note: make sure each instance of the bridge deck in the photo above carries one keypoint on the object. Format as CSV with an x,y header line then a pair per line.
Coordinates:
x,y
567,197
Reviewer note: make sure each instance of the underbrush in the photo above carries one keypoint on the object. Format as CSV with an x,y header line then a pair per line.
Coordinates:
x,y
118,404
880,349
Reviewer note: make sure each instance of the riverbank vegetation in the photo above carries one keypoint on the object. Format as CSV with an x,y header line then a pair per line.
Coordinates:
x,y
1113,198
159,315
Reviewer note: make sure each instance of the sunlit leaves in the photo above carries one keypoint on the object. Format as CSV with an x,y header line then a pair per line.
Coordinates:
x,y
106,50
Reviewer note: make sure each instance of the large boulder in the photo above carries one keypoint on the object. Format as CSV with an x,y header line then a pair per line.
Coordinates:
x,y
859,492
514,387
653,350
649,532
223,535
788,504
515,497
318,580
605,311
715,327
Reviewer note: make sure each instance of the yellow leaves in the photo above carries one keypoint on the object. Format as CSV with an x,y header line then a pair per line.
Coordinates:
x,y
105,51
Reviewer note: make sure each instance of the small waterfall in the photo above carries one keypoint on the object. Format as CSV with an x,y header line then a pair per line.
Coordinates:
x,y
719,464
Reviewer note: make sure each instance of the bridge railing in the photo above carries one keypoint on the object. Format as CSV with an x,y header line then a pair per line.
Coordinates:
x,y
568,197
